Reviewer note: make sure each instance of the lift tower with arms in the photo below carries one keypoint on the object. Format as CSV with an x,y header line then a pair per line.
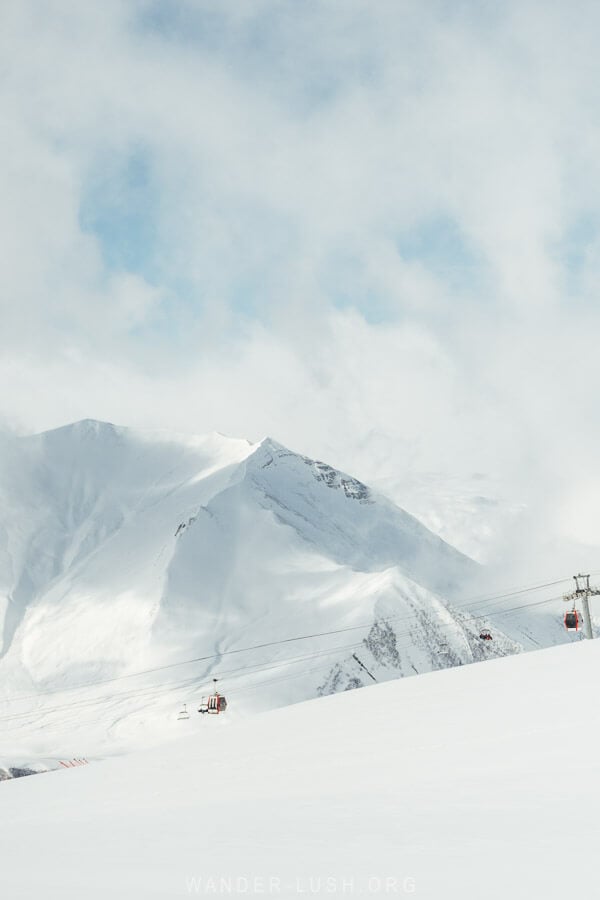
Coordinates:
x,y
582,593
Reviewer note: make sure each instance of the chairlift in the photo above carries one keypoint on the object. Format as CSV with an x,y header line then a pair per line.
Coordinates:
x,y
572,620
183,714
486,635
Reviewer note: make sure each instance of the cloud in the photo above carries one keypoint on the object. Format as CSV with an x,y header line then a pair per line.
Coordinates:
x,y
372,233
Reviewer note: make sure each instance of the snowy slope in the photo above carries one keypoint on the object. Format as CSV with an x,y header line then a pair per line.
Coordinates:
x,y
123,551
476,782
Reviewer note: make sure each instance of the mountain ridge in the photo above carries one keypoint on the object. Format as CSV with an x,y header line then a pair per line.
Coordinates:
x,y
128,550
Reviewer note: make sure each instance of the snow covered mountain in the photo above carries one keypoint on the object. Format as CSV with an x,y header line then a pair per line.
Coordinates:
x,y
124,551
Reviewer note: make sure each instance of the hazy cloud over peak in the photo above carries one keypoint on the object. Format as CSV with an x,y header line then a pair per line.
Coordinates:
x,y
372,232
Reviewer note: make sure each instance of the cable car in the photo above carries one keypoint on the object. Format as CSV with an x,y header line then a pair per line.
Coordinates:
x,y
486,635
572,620
184,714
213,704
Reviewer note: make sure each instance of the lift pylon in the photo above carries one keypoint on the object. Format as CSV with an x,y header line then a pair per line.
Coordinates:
x,y
582,593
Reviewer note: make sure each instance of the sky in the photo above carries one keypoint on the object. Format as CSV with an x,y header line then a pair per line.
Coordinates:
x,y
371,231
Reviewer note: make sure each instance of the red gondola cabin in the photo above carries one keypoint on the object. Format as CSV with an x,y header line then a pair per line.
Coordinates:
x,y
213,704
572,620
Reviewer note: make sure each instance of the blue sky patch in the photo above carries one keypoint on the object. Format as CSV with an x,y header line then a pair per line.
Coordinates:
x,y
120,208
442,249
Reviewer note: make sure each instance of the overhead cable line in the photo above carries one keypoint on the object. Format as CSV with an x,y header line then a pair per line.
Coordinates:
x,y
155,690
269,644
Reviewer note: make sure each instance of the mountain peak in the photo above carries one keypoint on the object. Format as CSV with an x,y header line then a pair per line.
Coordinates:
x,y
130,549
82,428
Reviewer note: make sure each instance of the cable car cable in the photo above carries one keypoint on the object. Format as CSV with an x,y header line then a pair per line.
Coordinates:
x,y
268,644
156,690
